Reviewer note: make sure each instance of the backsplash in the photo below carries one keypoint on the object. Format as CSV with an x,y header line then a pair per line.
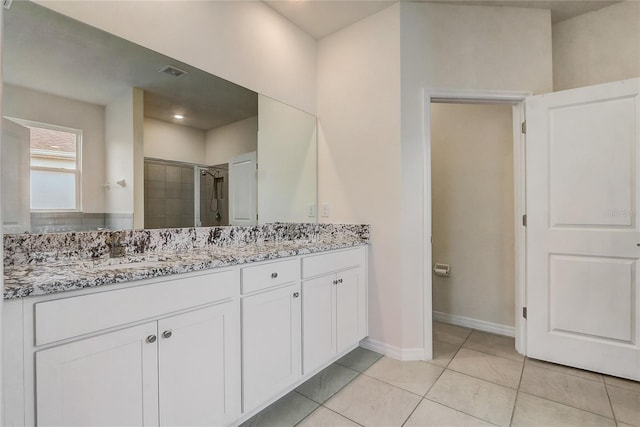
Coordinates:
x,y
32,248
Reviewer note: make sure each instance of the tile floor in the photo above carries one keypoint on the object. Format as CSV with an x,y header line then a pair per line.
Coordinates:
x,y
475,379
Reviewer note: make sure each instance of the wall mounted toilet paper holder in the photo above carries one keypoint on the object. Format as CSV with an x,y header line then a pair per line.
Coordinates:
x,y
442,270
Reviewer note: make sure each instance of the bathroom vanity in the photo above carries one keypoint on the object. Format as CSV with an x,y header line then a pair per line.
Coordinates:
x,y
206,335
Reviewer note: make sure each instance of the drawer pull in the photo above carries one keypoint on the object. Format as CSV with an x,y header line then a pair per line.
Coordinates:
x,y
151,339
167,333
274,275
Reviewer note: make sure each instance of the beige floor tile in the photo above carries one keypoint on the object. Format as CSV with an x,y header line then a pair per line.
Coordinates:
x,y
359,359
485,366
622,383
443,353
626,405
568,389
326,383
370,402
566,369
286,412
323,417
432,414
532,411
482,399
414,376
498,345
451,334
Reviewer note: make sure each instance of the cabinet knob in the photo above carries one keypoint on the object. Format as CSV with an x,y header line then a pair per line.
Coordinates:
x,y
296,294
151,339
335,282
339,280
167,333
274,275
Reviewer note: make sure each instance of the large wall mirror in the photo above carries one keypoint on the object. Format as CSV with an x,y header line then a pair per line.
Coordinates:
x,y
98,132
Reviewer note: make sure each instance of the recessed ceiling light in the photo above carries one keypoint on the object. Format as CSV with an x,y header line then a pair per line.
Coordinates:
x,y
178,116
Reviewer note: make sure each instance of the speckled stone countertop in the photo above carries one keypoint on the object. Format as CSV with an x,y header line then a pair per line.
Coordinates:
x,y
63,273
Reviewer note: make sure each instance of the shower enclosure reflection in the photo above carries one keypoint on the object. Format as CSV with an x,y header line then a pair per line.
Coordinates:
x,y
180,194
213,191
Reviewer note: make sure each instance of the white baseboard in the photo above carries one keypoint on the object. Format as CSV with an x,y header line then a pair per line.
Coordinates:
x,y
481,325
393,351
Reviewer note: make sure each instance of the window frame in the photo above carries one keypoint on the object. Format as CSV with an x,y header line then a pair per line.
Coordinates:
x,y
77,171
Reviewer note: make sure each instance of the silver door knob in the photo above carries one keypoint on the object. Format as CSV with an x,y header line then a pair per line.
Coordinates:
x,y
151,339
339,280
296,294
167,333
274,275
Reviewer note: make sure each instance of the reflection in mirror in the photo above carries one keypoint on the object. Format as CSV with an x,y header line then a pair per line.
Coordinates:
x,y
160,143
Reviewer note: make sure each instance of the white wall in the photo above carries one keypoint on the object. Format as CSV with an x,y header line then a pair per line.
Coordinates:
x,y
597,47
473,211
226,142
120,141
359,151
45,108
370,110
245,42
171,141
286,163
455,47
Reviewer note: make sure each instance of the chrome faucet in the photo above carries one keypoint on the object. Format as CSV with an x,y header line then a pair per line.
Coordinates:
x,y
117,246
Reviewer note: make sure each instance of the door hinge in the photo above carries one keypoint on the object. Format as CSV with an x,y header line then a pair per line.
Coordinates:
x,y
524,220
523,127
524,312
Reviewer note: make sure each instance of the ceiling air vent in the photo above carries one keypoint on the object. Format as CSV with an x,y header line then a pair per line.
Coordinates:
x,y
171,70
6,3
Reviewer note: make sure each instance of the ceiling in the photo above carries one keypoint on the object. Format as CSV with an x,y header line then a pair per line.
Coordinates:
x,y
48,52
320,18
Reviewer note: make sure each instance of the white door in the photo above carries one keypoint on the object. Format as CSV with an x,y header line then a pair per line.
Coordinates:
x,y
583,239
242,190
270,344
199,367
318,321
15,177
108,380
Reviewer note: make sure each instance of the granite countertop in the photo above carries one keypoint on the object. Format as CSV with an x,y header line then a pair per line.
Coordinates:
x,y
53,276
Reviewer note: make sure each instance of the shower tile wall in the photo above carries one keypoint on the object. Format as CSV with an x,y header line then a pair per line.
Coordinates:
x,y
207,206
168,195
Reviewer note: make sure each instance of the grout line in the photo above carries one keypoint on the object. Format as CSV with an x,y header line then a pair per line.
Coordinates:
x,y
606,389
565,404
342,415
411,413
458,410
515,402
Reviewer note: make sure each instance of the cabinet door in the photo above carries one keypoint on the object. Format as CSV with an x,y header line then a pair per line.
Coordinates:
x,y
199,367
318,321
348,296
270,343
111,379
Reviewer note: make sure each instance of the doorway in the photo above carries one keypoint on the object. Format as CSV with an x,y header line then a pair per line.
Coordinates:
x,y
472,195
513,101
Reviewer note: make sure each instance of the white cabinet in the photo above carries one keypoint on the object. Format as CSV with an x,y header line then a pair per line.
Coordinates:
x,y
198,362
333,307
270,343
111,379
176,371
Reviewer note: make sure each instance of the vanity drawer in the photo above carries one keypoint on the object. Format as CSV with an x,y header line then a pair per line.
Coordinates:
x,y
271,274
316,265
69,317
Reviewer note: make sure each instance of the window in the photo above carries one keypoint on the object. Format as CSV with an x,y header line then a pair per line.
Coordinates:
x,y
55,167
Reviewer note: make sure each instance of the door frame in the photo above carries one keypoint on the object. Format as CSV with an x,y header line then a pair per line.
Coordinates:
x,y
516,100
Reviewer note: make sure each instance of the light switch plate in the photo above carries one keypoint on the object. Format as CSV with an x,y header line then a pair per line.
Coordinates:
x,y
324,210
